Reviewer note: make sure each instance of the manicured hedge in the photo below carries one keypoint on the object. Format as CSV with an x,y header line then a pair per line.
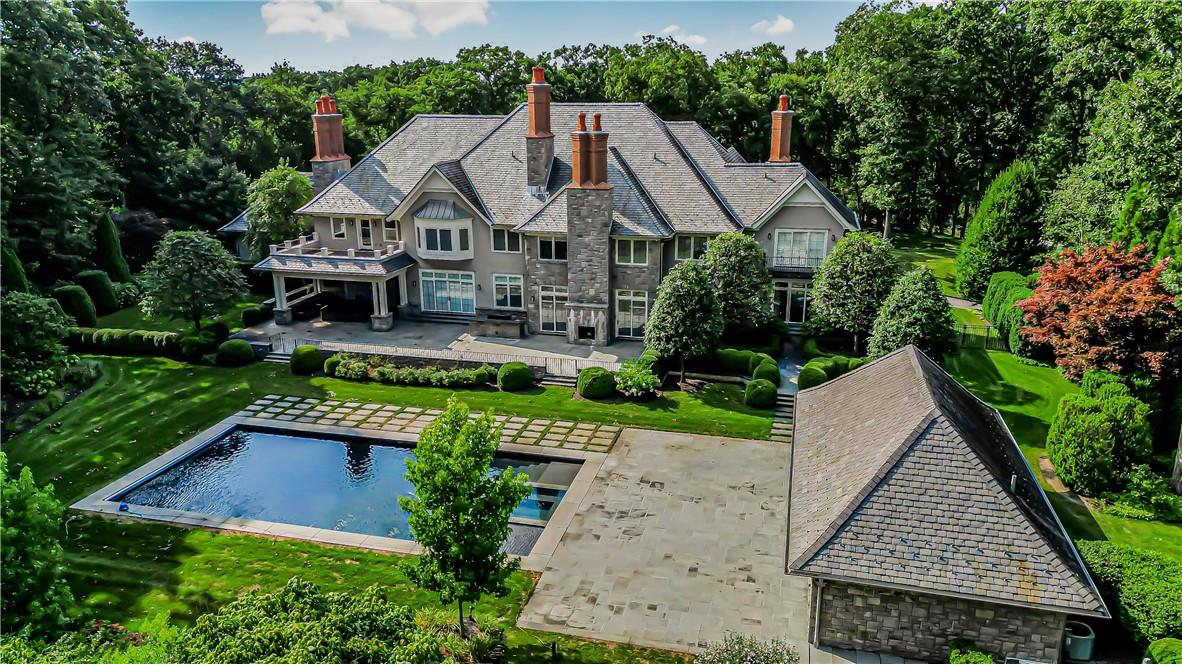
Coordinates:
x,y
196,346
218,330
820,369
1000,284
98,287
116,341
760,394
1165,651
306,360
235,353
768,371
758,359
1144,587
252,316
596,383
77,304
732,361
810,376
514,376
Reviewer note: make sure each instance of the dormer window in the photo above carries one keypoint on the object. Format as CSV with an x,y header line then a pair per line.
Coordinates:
x,y
444,231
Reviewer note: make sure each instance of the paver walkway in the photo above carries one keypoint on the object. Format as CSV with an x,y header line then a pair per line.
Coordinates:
x,y
588,436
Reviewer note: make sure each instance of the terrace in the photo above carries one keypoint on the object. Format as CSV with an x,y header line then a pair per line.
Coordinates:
x,y
312,246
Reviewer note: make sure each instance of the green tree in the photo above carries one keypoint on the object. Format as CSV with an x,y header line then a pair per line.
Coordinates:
x,y
852,283
1080,444
1170,245
670,77
1003,234
1131,228
273,199
577,71
915,313
737,266
12,277
190,277
108,251
686,321
460,509
32,354
32,568
1080,209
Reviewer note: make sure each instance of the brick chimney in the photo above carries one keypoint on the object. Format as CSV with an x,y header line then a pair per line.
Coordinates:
x,y
782,132
539,142
588,227
330,161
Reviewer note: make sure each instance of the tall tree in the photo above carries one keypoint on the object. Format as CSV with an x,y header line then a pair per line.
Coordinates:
x,y
852,283
686,321
668,76
737,267
191,276
460,509
577,71
274,198
1003,234
915,313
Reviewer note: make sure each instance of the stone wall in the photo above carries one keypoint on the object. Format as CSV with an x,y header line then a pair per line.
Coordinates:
x,y
588,250
539,154
921,626
538,273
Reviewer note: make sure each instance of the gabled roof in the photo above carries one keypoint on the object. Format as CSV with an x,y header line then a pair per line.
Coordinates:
x,y
900,477
378,183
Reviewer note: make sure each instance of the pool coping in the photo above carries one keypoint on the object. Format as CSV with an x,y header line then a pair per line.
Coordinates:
x,y
100,503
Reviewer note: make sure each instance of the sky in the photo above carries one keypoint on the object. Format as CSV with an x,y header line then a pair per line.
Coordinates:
x,y
333,34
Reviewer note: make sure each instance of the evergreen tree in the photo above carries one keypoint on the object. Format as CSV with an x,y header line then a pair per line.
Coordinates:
x,y
12,271
108,250
686,321
1170,245
852,283
1004,233
915,313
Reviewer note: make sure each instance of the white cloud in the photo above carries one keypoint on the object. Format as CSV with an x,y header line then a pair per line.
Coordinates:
x,y
675,32
187,39
398,18
778,26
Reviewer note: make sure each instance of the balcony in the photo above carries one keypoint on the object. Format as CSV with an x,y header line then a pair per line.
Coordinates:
x,y
311,246
794,262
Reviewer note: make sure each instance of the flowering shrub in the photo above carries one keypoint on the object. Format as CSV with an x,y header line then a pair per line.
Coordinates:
x,y
379,370
738,648
636,380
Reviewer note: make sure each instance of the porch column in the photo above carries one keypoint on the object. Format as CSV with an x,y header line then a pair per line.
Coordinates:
x,y
381,320
402,299
282,313
383,298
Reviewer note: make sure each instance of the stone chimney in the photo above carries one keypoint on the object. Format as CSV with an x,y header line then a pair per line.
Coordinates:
x,y
782,132
539,142
588,226
330,161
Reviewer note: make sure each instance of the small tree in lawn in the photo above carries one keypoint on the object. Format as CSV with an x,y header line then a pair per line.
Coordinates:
x,y
1105,308
852,283
686,321
31,560
460,512
1004,233
191,276
32,354
273,198
738,267
916,312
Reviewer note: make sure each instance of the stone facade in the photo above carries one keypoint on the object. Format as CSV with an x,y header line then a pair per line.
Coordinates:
x,y
325,173
539,154
588,246
921,626
539,273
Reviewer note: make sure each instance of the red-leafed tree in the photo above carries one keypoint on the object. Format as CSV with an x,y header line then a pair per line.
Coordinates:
x,y
1105,308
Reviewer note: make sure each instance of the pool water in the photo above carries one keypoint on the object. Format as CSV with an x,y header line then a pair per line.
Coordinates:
x,y
342,484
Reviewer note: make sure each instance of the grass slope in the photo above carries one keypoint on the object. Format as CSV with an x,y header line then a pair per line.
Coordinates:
x,y
133,318
937,252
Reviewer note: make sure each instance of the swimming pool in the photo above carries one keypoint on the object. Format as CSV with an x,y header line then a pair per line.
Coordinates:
x,y
343,483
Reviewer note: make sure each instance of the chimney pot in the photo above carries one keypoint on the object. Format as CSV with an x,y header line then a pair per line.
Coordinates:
x,y
582,121
783,102
781,132
596,125
539,75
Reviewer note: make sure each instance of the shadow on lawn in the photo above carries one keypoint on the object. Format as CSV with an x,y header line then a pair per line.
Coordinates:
x,y
976,371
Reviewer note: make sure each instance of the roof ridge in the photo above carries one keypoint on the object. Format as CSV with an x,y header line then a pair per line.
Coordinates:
x,y
639,189
699,173
504,120
364,159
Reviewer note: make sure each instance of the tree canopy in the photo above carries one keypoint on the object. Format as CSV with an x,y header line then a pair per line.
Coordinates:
x,y
852,283
191,276
686,321
274,198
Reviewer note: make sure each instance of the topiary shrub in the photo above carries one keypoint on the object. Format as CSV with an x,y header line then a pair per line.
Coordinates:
x,y
760,394
219,330
825,364
514,376
596,383
650,360
331,364
855,362
115,341
758,359
840,363
108,251
252,316
1165,651
1143,586
732,361
810,376
768,371
77,304
234,353
812,349
1094,379
306,360
1080,444
12,271
98,286
194,346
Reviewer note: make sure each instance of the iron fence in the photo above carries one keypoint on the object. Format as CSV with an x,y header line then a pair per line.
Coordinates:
x,y
980,336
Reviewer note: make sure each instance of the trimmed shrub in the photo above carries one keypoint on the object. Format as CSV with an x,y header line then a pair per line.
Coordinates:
x,y
650,360
306,360
116,341
827,365
964,652
108,251
1080,444
77,304
732,361
1143,586
252,316
514,376
333,361
194,346
596,383
856,362
1165,651
12,271
219,330
810,376
840,363
758,359
389,374
812,349
98,286
1094,379
235,353
760,394
1000,285
768,371
636,380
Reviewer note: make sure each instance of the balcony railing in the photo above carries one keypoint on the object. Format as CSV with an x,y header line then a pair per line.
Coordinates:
x,y
311,246
790,261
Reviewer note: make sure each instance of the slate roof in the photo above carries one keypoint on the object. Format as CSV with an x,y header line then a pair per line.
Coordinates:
x,y
902,478
668,177
336,265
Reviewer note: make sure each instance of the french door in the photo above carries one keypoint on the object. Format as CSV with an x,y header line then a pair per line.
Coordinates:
x,y
552,308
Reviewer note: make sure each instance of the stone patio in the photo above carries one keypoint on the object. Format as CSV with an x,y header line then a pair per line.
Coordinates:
x,y
540,432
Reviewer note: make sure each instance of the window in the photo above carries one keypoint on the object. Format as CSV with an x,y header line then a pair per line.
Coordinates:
x,y
552,308
792,301
338,228
508,290
453,292
631,252
691,247
390,230
365,237
799,248
504,240
631,313
453,239
552,248
464,246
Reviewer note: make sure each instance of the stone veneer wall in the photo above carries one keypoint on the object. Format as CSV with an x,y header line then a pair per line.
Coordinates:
x,y
538,273
539,154
921,626
588,251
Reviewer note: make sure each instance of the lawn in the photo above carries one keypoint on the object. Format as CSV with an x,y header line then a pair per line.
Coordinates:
x,y
966,316
132,318
1027,397
937,252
